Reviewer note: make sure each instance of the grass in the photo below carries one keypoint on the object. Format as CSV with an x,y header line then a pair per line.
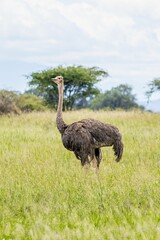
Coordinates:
x,y
43,191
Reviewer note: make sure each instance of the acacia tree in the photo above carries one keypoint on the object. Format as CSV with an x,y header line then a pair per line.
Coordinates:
x,y
153,87
79,84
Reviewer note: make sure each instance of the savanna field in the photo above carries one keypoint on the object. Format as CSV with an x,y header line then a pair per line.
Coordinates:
x,y
44,194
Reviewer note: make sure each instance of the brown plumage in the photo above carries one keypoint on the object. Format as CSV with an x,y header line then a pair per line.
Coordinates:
x,y
86,137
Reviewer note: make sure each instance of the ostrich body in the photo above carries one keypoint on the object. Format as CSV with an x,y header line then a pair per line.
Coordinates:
x,y
86,137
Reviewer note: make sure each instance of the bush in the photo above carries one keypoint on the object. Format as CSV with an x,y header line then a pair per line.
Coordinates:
x,y
30,102
8,102
13,102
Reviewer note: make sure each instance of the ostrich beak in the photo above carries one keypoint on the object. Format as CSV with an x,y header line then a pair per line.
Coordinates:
x,y
54,80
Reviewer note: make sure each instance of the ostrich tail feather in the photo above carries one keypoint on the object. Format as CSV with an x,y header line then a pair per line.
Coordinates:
x,y
118,149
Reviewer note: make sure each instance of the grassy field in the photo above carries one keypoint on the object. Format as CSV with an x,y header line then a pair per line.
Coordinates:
x,y
43,191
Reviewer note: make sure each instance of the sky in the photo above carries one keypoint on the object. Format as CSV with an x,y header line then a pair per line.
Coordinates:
x,y
119,36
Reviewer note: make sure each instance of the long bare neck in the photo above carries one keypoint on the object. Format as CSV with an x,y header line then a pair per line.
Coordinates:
x,y
59,120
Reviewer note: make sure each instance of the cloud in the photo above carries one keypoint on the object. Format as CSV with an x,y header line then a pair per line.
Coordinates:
x,y
94,27
97,23
91,32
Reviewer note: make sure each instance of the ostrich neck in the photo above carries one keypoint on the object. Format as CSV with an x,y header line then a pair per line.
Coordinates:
x,y
59,120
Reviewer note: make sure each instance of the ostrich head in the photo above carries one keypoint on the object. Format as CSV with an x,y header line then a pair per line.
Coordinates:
x,y
58,80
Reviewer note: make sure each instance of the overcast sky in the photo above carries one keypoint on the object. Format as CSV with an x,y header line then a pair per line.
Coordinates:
x,y
120,36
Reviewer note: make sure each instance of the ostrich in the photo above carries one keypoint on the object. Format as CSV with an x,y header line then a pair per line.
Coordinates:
x,y
86,137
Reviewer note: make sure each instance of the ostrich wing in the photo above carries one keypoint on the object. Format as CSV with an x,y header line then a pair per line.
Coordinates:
x,y
102,134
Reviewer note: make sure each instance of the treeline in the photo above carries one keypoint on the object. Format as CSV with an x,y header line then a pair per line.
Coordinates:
x,y
14,102
80,91
118,97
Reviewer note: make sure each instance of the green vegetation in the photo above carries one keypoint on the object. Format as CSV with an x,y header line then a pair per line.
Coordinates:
x,y
118,97
43,191
80,91
8,102
153,87
79,84
14,102
30,102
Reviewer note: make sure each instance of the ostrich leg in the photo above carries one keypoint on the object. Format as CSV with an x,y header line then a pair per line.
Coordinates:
x,y
95,166
86,168
91,160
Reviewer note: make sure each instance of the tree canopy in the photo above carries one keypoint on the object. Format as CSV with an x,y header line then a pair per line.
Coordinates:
x,y
80,84
117,97
153,87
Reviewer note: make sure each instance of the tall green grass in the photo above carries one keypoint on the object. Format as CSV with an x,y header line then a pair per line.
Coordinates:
x,y
43,191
